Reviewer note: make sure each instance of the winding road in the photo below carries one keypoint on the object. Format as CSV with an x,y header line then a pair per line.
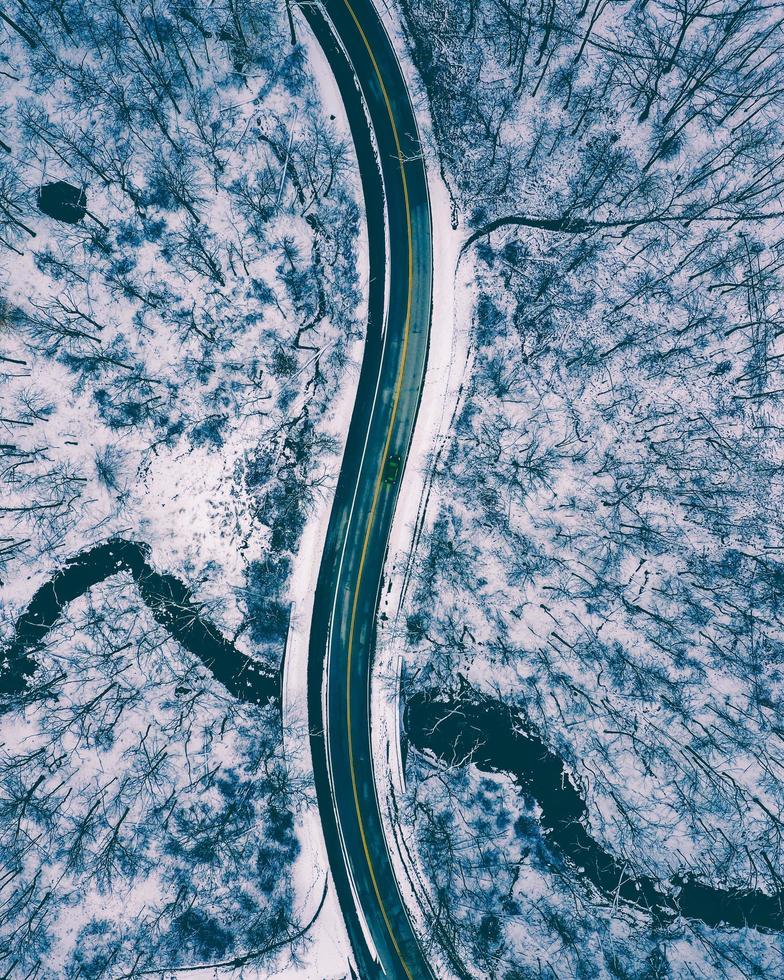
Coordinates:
x,y
394,185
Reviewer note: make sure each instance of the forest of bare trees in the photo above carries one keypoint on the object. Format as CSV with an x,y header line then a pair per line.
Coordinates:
x,y
604,552
172,343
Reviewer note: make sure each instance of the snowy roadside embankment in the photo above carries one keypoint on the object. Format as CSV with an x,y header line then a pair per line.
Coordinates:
x,y
449,357
328,953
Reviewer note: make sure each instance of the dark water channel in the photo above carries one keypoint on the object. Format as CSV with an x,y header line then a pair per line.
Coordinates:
x,y
496,739
169,601
467,725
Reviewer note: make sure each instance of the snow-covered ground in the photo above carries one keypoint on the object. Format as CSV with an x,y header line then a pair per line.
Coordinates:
x,y
600,546
179,370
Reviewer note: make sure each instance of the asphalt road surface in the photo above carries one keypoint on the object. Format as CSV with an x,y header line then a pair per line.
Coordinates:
x,y
389,390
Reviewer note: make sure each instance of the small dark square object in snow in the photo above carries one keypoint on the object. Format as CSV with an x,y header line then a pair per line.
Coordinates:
x,y
63,201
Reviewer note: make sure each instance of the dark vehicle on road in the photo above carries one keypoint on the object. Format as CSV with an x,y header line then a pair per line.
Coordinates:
x,y
392,468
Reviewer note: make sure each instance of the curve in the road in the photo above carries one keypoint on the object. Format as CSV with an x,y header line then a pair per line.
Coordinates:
x,y
346,602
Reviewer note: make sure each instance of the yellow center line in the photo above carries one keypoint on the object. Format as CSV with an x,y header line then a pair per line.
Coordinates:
x,y
377,491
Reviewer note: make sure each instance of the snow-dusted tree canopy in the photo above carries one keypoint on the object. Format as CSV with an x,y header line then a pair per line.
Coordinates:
x,y
604,554
592,635
179,300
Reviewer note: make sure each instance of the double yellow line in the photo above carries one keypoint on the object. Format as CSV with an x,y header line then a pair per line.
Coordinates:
x,y
377,491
